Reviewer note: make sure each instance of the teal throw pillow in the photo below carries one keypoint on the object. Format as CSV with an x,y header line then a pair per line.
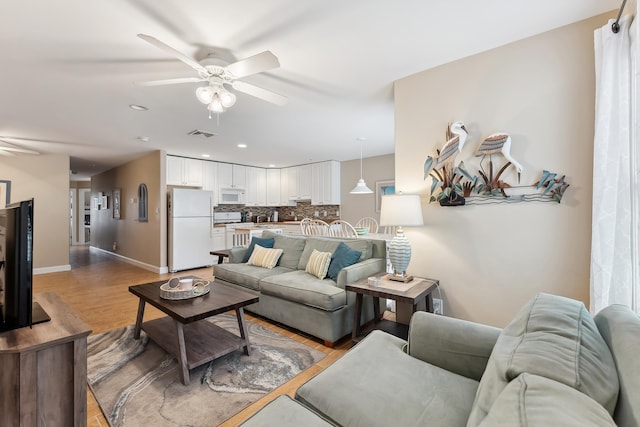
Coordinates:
x,y
342,257
266,242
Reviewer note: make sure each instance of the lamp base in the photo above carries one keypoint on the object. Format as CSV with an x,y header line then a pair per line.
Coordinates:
x,y
398,277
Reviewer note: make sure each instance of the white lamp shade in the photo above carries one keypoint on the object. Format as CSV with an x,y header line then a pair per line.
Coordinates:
x,y
401,209
204,94
361,188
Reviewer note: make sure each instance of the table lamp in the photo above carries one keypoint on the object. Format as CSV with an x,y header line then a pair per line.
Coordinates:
x,y
400,210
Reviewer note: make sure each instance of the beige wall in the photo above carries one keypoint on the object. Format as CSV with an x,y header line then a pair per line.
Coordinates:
x,y
144,243
491,259
353,207
44,178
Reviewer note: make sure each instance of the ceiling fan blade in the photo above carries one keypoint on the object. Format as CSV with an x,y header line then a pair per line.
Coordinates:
x,y
165,47
259,92
254,64
6,153
18,150
170,81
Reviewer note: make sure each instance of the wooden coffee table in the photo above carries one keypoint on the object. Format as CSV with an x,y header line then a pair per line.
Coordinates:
x,y
182,333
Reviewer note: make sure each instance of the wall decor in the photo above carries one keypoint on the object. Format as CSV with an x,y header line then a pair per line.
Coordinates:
x,y
116,203
5,193
104,202
383,188
454,185
143,203
95,203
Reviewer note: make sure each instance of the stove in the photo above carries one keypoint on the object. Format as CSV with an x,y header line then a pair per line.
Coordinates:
x,y
226,217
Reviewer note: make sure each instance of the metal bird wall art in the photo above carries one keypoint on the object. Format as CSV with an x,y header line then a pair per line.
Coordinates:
x,y
441,168
498,143
454,186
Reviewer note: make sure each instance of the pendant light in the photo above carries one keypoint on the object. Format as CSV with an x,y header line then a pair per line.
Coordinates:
x,y
361,186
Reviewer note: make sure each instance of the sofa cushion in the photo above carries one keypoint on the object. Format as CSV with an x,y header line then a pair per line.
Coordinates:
x,y
620,328
285,412
301,287
292,248
316,244
264,257
342,257
318,264
330,244
553,337
264,242
245,275
377,384
534,401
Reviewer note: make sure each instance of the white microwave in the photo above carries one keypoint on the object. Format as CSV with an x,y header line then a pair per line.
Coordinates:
x,y
231,196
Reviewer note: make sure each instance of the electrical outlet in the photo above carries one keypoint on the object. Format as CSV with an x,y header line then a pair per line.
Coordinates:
x,y
438,306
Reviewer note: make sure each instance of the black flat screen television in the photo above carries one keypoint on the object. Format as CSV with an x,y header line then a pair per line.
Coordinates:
x,y
17,308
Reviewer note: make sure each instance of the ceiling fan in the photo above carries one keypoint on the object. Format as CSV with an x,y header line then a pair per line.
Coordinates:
x,y
10,150
215,95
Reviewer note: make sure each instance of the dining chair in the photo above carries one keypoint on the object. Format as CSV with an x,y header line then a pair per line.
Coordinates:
x,y
305,225
340,228
318,227
369,223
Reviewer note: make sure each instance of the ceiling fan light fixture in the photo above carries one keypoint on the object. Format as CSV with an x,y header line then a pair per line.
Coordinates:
x,y
216,104
205,94
227,99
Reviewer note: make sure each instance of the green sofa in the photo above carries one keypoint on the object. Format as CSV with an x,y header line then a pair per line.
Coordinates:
x,y
553,364
293,297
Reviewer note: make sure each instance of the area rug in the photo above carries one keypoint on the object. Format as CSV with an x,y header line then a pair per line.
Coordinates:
x,y
136,383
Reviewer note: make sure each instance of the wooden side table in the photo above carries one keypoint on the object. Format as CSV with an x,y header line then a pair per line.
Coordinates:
x,y
412,293
43,370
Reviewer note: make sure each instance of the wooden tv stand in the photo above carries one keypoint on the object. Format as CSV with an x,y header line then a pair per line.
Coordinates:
x,y
43,369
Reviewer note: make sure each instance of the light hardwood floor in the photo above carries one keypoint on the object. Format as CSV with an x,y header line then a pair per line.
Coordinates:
x,y
97,289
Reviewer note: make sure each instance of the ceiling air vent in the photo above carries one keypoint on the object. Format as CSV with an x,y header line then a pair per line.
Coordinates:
x,y
198,132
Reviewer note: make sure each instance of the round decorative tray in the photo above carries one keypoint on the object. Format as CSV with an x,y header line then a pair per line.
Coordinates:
x,y
200,288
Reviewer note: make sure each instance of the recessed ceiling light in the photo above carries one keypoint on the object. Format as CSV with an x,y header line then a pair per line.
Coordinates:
x,y
272,166
206,155
361,138
138,107
242,145
143,138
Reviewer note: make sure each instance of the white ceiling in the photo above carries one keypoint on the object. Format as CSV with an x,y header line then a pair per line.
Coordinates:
x,y
68,69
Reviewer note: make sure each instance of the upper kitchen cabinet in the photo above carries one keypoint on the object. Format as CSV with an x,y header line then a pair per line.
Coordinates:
x,y
210,179
184,171
274,186
325,188
256,194
232,176
299,182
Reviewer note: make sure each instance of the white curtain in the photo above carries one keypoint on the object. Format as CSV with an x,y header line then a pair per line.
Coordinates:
x,y
614,254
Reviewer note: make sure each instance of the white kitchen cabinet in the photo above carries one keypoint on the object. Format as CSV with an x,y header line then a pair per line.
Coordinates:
x,y
219,239
232,176
256,194
273,187
184,171
325,187
299,182
210,179
304,182
292,183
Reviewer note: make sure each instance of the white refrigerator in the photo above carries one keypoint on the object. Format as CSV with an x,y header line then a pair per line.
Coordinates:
x,y
190,235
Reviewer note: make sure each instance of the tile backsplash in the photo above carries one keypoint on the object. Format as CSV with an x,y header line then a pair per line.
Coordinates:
x,y
303,209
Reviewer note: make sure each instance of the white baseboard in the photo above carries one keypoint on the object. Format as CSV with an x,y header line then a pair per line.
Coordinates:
x,y
53,269
144,265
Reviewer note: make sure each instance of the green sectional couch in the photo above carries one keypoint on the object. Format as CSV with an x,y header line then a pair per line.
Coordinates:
x,y
554,364
291,296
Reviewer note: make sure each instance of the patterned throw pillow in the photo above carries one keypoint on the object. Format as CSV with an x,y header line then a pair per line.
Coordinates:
x,y
318,264
264,257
